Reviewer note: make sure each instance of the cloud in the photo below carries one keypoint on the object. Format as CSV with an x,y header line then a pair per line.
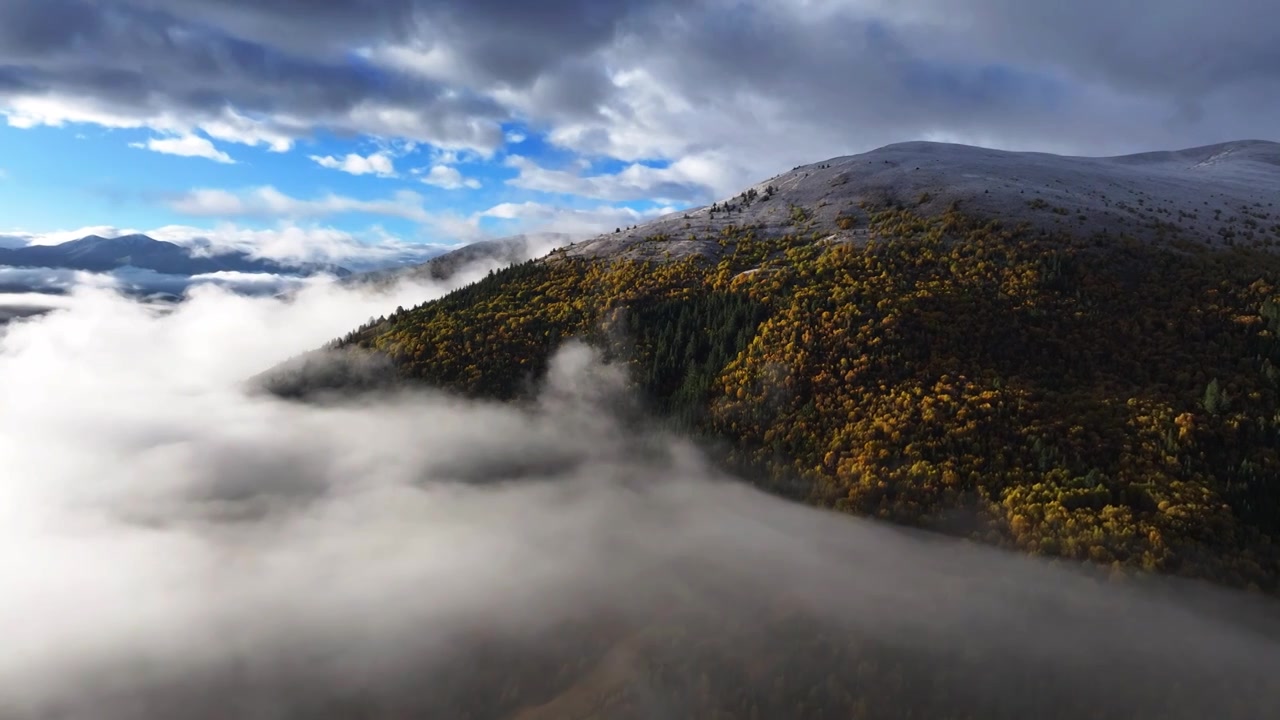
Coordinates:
x,y
268,202
443,176
411,554
186,146
211,69
28,111
285,242
688,180
39,280
379,164
532,216
831,78
20,282
17,304
230,126
294,244
447,227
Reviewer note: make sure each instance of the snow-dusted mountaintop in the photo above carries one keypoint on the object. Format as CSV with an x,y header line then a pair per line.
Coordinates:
x,y
1213,194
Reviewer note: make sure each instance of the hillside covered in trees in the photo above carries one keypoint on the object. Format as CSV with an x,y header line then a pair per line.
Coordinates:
x,y
1101,400
1070,390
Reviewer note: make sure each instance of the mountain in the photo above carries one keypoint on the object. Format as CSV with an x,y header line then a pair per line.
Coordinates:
x,y
98,254
1071,358
1209,195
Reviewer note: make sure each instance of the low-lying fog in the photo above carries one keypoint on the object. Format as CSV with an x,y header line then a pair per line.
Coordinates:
x,y
173,546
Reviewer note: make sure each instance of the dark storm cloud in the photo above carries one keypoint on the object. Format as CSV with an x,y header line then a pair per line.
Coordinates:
x,y
1000,62
511,39
1177,47
853,66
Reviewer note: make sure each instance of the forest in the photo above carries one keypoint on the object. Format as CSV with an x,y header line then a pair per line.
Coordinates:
x,y
1093,399
1106,404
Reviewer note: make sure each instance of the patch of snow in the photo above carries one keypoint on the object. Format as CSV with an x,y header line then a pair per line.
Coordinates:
x,y
1198,194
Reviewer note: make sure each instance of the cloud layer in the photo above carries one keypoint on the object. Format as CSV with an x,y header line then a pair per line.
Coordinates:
x,y
291,560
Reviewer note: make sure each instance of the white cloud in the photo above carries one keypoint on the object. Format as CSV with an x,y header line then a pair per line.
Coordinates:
x,y
436,62
277,135
449,178
268,202
445,227
450,130
291,242
540,217
33,281
278,132
186,146
378,163
693,178
29,111
244,534
53,110
533,218
302,243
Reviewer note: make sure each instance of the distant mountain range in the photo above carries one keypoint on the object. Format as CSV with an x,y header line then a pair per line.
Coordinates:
x,y
98,254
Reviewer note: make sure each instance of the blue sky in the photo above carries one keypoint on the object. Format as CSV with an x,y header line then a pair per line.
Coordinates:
x,y
113,176
339,132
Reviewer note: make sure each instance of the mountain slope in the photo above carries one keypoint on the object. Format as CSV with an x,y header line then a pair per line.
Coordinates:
x,y
1110,396
1101,391
98,254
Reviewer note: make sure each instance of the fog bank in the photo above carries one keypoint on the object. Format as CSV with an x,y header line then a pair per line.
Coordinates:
x,y
172,545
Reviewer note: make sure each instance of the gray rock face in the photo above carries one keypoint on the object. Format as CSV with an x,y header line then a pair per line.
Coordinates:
x,y
1214,194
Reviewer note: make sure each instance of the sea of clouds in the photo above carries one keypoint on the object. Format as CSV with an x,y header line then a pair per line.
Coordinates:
x,y
175,544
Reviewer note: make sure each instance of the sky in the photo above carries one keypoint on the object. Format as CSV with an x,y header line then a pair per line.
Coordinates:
x,y
330,129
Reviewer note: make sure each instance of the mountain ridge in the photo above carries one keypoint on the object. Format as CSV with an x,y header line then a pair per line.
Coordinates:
x,y
95,253
1137,195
